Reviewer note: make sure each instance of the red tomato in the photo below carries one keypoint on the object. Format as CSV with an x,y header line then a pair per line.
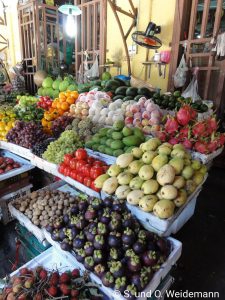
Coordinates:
x,y
73,174
80,164
62,167
87,181
67,171
98,163
93,187
90,160
105,168
67,159
81,154
73,163
80,178
86,170
95,172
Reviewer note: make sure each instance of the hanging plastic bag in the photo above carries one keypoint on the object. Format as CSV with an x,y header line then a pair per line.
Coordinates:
x,y
180,74
93,71
192,89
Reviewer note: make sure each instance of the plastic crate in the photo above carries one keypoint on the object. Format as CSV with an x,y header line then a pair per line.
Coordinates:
x,y
6,199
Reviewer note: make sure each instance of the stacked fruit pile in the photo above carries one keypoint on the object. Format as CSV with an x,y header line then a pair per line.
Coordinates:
x,y
117,140
111,243
39,283
26,134
82,168
7,120
59,125
39,148
79,110
68,142
7,164
157,177
45,102
201,136
84,128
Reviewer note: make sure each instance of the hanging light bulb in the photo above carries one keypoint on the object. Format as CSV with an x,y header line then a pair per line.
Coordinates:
x,y
70,26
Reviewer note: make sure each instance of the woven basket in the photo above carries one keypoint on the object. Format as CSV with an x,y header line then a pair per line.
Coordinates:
x,y
139,83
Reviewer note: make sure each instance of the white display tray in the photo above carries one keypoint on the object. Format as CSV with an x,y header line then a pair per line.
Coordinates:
x,y
26,222
108,159
206,158
25,165
21,151
164,227
156,280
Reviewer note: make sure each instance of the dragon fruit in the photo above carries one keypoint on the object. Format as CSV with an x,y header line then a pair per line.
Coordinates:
x,y
187,144
184,115
198,129
171,125
211,125
201,147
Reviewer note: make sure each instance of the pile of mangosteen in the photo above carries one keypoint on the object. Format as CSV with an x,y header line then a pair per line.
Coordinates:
x,y
110,242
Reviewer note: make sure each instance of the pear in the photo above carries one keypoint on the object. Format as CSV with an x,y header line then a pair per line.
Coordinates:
x,y
150,186
136,183
196,165
137,152
146,172
148,156
114,170
177,163
159,161
164,209
134,197
198,178
178,153
179,182
165,175
187,172
203,169
169,192
124,178
135,166
190,186
147,202
181,198
164,150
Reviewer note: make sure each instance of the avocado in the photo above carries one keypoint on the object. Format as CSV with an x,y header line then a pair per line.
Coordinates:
x,y
121,90
132,140
118,125
117,145
127,131
117,135
132,91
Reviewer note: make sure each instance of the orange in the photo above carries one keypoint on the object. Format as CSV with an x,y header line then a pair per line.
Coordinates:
x,y
54,103
70,100
74,94
61,111
67,93
62,98
58,105
61,94
44,122
65,106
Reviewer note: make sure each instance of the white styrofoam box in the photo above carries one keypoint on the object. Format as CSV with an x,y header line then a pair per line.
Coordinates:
x,y
108,159
26,222
153,284
45,165
81,187
21,151
206,158
53,259
25,165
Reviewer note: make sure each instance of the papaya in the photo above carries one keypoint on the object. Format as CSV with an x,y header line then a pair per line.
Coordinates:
x,y
117,135
132,140
117,145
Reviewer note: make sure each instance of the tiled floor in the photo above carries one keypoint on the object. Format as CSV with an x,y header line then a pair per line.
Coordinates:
x,y
202,264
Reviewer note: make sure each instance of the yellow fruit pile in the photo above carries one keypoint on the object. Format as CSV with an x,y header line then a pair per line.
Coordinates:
x,y
7,120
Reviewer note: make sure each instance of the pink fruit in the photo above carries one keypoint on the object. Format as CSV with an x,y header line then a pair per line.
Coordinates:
x,y
212,125
137,122
147,129
173,141
146,115
154,121
161,135
171,125
151,106
141,101
128,114
185,115
147,102
144,122
137,115
201,147
129,120
187,144
212,146
198,129
134,108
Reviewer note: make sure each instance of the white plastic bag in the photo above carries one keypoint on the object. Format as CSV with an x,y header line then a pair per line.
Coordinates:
x,y
93,71
180,74
192,90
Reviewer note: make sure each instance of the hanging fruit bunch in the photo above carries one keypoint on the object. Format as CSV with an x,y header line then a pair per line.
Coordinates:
x,y
200,136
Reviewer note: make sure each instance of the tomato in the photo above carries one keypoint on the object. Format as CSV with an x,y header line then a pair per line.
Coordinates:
x,y
93,187
62,167
67,171
67,159
90,160
105,168
87,181
98,163
86,170
73,174
73,163
81,154
80,164
96,171
80,178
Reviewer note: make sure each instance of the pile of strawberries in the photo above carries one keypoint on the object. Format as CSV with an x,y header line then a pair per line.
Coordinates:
x,y
40,284
200,136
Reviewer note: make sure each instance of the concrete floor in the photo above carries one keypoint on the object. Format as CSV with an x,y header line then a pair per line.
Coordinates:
x,y
202,265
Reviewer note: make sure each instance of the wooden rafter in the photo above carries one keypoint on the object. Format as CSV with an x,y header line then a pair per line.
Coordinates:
x,y
115,8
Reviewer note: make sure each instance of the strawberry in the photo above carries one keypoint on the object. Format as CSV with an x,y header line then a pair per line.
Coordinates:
x,y
65,289
64,278
43,274
53,291
75,273
171,125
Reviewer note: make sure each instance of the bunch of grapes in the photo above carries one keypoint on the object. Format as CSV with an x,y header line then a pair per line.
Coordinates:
x,y
26,134
59,125
39,148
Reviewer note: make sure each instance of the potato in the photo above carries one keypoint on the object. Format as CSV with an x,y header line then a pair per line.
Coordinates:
x,y
66,202
46,217
36,222
41,218
44,213
50,213
58,213
71,199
